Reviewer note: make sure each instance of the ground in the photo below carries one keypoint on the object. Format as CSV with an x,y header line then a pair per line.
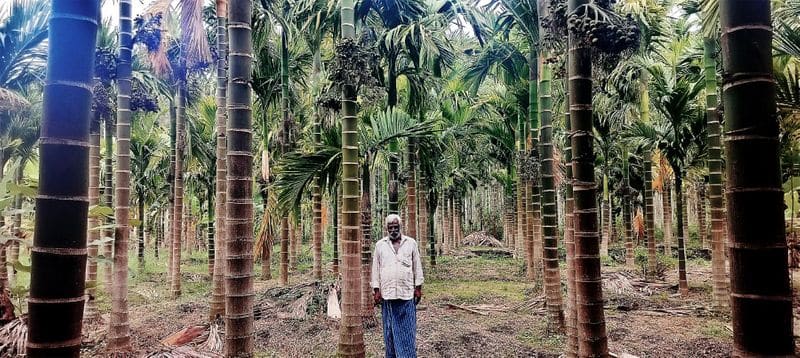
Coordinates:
x,y
654,323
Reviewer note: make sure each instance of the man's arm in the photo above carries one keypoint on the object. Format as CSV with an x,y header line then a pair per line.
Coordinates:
x,y
376,269
417,263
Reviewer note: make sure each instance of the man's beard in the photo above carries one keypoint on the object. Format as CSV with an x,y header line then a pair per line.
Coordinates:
x,y
394,235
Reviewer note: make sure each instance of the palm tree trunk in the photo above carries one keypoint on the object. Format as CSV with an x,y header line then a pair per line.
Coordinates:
x,y
173,114
667,203
351,334
605,224
177,217
3,261
626,218
58,256
719,272
336,218
761,296
140,230
91,312
367,305
702,230
239,238
589,287
680,218
108,200
218,277
432,228
316,199
411,190
423,216
571,348
552,279
649,221
119,332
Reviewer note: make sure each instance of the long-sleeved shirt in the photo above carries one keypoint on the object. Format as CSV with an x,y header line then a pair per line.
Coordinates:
x,y
396,273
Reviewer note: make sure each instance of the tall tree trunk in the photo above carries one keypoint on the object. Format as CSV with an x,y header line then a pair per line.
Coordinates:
x,y
431,200
173,119
411,190
58,256
680,213
140,230
119,332
91,312
569,237
108,201
702,230
337,197
605,212
351,334
628,231
552,279
285,148
718,247
177,211
3,261
239,292
667,203
423,216
589,288
316,199
761,296
650,232
218,278
367,304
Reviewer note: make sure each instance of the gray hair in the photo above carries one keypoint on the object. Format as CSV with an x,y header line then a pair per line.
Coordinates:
x,y
393,218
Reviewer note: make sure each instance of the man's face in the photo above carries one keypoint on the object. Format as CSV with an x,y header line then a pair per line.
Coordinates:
x,y
394,230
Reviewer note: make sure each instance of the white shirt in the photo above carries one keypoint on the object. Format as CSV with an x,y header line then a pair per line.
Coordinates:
x,y
396,273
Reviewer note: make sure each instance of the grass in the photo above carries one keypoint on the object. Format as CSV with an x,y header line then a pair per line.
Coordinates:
x,y
471,292
715,329
537,338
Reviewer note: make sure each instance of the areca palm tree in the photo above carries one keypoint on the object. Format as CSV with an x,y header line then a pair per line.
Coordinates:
x,y
761,307
679,135
218,293
590,315
119,330
59,251
239,266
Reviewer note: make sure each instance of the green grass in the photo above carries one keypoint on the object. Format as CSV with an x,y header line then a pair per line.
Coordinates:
x,y
471,292
538,339
715,329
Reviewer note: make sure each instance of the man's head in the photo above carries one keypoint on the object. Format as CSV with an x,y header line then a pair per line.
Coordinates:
x,y
393,226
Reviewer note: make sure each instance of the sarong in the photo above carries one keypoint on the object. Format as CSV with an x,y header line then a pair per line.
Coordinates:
x,y
399,328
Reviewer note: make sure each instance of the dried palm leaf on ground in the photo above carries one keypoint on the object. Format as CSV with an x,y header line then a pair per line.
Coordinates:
x,y
628,283
294,302
481,309
534,305
182,352
13,336
212,343
184,336
481,238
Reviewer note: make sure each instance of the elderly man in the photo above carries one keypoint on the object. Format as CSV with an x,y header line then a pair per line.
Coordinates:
x,y
397,282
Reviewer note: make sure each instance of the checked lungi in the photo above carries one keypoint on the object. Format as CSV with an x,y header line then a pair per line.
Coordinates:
x,y
399,328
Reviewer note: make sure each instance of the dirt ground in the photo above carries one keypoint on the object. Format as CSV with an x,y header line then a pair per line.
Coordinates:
x,y
643,321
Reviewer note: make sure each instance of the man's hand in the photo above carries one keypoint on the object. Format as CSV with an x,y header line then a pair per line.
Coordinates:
x,y
417,294
376,295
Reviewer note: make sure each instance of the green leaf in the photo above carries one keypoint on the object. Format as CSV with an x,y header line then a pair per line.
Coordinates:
x,y
100,211
19,266
101,241
104,227
134,222
26,191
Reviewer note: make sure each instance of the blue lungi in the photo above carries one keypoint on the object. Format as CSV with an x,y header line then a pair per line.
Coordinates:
x,y
399,328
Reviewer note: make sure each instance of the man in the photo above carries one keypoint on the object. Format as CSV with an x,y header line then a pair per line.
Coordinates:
x,y
397,282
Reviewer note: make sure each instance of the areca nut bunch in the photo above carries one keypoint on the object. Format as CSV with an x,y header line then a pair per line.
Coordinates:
x,y
105,65
352,65
142,100
103,103
604,31
147,31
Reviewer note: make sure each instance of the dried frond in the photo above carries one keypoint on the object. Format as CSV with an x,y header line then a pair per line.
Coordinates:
x,y
13,336
11,101
193,34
